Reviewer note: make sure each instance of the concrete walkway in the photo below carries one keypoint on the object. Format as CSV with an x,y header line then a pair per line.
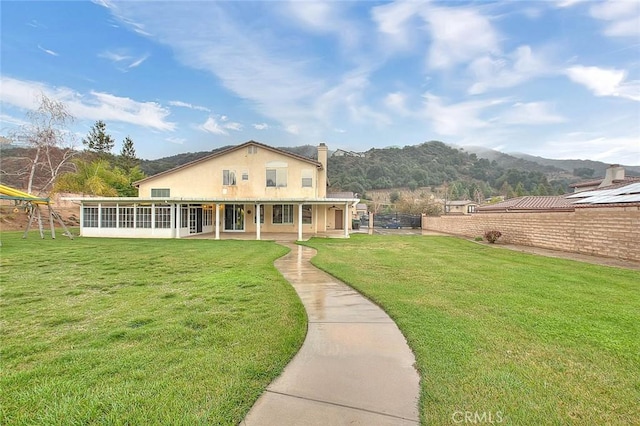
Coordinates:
x,y
354,368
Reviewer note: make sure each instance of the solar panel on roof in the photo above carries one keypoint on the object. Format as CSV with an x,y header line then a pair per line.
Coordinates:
x,y
633,188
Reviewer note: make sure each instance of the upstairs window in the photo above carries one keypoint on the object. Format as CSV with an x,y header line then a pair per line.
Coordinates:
x,y
160,192
252,149
228,177
277,177
307,178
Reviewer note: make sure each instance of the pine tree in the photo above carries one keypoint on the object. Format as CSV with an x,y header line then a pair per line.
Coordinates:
x,y
98,140
128,159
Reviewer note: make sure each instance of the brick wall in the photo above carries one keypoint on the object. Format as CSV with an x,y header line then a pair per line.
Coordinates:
x,y
605,231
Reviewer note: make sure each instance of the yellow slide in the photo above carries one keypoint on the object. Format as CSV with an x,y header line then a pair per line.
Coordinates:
x,y
9,193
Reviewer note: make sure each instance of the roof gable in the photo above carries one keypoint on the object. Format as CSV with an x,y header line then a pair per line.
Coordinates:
x,y
227,151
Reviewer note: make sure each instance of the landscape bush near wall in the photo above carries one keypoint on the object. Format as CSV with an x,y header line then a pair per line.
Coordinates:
x,y
604,231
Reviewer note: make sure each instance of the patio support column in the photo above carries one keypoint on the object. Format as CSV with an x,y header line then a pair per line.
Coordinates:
x,y
178,221
370,223
300,222
347,214
257,221
217,221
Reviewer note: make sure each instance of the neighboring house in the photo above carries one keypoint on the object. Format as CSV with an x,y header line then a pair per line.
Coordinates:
x,y
250,188
613,175
614,195
361,210
461,207
343,153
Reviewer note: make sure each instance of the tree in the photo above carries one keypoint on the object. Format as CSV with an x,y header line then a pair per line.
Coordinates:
x,y
49,143
98,140
93,178
128,159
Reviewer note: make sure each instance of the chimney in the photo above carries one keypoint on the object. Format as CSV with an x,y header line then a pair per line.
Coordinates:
x,y
614,173
322,174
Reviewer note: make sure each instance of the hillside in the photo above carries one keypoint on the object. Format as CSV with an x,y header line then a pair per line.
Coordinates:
x,y
433,165
517,160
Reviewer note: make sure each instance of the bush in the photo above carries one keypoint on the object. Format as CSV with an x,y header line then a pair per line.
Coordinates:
x,y
477,239
492,236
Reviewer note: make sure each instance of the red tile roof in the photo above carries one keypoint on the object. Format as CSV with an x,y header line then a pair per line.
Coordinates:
x,y
530,202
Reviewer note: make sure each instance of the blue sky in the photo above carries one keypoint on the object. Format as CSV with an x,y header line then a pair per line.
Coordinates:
x,y
559,79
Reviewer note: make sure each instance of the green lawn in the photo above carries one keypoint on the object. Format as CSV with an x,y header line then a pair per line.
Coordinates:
x,y
115,331
518,338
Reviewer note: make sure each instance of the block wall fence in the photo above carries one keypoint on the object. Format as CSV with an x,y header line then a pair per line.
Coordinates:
x,y
604,231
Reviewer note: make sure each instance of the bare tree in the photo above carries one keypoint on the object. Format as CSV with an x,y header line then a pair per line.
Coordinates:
x,y
48,143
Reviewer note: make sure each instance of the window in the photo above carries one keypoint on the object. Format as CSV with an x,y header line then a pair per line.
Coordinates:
x,y
471,209
307,178
108,217
228,177
163,217
143,217
245,175
277,177
261,214
184,217
90,217
252,149
126,217
160,192
306,214
282,213
207,215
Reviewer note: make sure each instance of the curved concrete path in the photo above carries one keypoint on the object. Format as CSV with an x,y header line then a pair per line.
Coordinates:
x,y
354,367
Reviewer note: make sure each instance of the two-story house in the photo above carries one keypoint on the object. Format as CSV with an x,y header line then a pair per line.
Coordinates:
x,y
250,188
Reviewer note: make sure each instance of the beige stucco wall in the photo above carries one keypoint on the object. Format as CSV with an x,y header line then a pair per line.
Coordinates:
x,y
204,179
604,231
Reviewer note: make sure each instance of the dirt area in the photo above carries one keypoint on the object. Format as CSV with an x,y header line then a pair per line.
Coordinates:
x,y
15,218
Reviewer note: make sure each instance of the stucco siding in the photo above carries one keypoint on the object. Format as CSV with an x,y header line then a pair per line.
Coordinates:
x,y
205,179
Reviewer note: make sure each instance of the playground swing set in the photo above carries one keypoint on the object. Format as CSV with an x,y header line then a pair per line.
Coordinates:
x,y
33,205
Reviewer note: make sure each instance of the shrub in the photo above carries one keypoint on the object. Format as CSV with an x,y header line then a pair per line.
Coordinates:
x,y
492,236
477,239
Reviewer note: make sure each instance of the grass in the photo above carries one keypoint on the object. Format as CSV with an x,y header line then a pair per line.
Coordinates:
x,y
516,338
115,331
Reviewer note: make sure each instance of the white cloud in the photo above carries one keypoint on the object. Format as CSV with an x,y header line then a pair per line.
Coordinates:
x,y
261,126
397,102
323,17
50,52
233,126
609,149
177,141
94,105
212,126
605,82
138,61
568,3
393,20
293,129
530,113
509,71
123,55
459,35
9,119
456,119
621,17
188,105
